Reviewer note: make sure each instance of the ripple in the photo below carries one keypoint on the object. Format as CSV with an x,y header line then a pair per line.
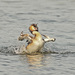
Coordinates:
x,y
12,1
48,20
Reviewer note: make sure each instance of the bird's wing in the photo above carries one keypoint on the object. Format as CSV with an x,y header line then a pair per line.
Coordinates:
x,y
48,39
24,36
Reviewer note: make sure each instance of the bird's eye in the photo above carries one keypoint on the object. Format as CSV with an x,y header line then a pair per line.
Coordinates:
x,y
35,25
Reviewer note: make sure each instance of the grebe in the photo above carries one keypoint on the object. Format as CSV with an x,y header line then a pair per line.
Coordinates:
x,y
36,43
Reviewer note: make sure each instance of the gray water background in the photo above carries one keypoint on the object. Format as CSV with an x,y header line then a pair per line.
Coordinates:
x,y
55,18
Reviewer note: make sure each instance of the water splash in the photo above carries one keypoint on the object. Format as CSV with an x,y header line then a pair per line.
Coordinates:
x,y
47,50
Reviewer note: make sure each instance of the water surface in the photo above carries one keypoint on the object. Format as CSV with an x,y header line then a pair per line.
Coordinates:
x,y
55,18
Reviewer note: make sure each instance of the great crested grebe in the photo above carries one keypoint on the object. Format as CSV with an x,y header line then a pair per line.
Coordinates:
x,y
36,43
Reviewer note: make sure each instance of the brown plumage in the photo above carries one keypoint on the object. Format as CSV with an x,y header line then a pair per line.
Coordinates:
x,y
35,43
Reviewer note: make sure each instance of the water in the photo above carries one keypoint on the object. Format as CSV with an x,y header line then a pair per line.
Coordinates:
x,y
55,18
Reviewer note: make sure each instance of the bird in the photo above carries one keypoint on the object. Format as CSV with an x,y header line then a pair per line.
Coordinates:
x,y
35,43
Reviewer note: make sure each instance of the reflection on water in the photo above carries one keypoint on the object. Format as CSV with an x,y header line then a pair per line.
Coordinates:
x,y
55,18
35,60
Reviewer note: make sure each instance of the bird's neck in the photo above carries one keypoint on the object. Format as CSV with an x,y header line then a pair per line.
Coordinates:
x,y
37,35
